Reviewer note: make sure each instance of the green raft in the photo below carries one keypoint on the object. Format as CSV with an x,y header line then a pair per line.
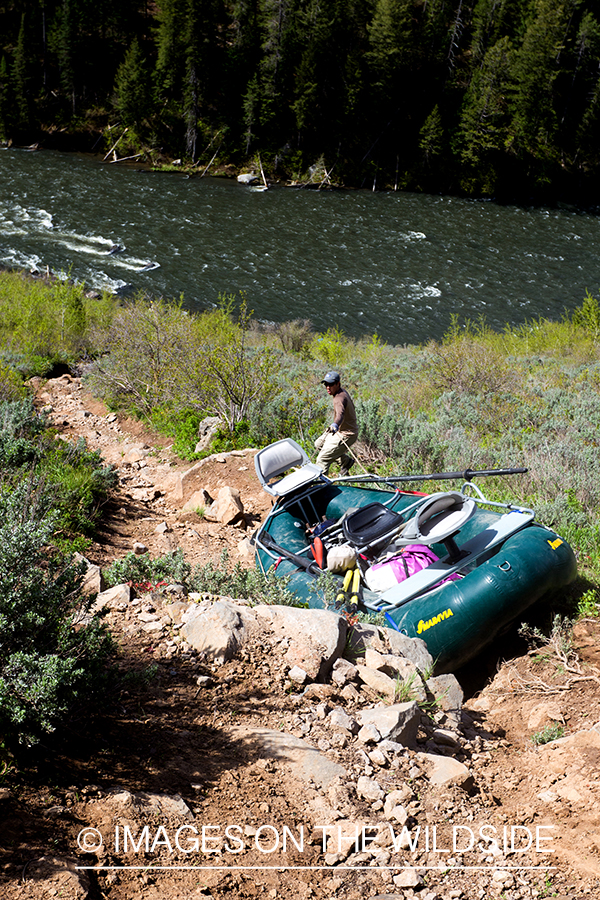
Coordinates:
x,y
493,562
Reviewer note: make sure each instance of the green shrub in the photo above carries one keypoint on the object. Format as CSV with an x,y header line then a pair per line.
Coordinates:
x,y
140,570
11,384
52,651
43,323
548,733
70,479
160,355
222,579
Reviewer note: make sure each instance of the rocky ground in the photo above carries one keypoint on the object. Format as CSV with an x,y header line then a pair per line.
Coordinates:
x,y
325,789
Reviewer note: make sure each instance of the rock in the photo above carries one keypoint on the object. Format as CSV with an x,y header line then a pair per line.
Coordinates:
x,y
379,682
316,636
448,694
135,454
349,693
369,789
246,551
378,757
139,549
343,672
339,720
414,649
57,877
92,578
544,713
162,528
402,671
398,722
303,761
227,507
444,770
408,878
172,806
114,598
207,430
199,503
369,734
446,738
182,484
297,675
318,692
218,631
248,178
391,746
362,637
396,798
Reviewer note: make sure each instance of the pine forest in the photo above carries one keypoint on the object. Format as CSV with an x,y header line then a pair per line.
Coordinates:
x,y
478,97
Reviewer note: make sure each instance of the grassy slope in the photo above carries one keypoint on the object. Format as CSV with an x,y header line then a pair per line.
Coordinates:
x,y
478,399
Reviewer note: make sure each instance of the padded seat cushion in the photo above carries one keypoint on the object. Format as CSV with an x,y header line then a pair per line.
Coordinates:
x,y
370,524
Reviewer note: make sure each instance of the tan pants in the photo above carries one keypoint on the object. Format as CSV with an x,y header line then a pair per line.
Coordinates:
x,y
333,447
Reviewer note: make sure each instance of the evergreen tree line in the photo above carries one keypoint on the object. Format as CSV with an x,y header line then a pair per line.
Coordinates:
x,y
477,96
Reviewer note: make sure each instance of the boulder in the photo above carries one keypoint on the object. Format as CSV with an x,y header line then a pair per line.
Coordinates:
x,y
199,501
398,722
246,551
343,671
216,630
92,578
447,693
227,507
207,429
378,681
414,649
114,598
444,770
303,762
316,637
339,720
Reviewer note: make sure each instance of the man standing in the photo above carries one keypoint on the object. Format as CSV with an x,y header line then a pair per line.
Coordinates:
x,y
342,433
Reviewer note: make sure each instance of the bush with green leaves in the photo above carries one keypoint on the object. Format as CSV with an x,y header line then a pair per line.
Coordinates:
x,y
222,579
52,649
42,323
161,355
71,479
132,569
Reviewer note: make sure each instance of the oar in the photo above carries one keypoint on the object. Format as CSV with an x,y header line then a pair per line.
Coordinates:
x,y
467,475
269,543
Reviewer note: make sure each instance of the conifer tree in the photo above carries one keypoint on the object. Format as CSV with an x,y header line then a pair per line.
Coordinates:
x,y
64,43
22,75
132,88
484,120
534,72
6,103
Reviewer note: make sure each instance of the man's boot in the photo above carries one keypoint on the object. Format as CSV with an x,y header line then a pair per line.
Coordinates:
x,y
345,468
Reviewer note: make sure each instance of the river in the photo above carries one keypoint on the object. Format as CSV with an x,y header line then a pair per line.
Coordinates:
x,y
393,264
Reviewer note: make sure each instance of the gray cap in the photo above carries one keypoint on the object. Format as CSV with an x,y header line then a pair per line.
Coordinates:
x,y
331,378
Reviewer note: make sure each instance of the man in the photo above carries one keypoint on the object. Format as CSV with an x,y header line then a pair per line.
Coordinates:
x,y
342,433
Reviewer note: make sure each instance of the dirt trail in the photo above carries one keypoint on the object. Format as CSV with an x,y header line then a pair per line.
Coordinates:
x,y
182,741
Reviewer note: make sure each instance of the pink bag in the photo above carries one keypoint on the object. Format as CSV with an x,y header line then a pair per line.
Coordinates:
x,y
410,560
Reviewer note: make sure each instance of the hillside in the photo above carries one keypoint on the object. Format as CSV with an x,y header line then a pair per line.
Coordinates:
x,y
181,751
475,97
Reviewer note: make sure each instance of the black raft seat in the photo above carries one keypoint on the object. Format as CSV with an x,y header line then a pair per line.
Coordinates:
x,y
370,525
